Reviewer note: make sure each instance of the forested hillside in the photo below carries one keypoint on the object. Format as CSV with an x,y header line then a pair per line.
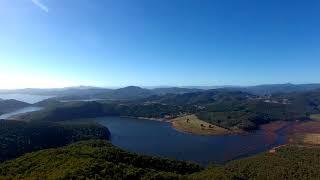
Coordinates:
x,y
11,105
289,162
200,98
224,108
101,160
79,110
17,138
250,114
94,160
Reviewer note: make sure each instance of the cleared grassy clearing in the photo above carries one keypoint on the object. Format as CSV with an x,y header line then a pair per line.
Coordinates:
x,y
305,133
192,124
311,139
315,116
305,139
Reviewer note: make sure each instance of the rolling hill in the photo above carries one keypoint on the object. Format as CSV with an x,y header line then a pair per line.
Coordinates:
x,y
11,105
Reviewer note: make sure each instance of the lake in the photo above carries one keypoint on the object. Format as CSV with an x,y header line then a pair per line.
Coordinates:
x,y
159,138
25,97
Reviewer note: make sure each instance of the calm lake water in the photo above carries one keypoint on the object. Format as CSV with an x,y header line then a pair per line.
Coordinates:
x,y
159,138
20,111
25,97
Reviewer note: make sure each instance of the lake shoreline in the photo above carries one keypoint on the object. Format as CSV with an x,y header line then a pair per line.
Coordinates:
x,y
152,137
145,118
272,128
204,132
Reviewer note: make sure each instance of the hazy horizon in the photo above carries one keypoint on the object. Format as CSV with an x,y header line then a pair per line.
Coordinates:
x,y
55,43
159,86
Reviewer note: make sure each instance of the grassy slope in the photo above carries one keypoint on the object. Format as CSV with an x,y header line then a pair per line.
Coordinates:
x,y
93,159
312,138
192,124
315,116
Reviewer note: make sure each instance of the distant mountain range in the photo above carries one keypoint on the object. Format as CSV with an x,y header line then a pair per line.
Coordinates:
x,y
81,90
270,89
202,97
129,93
134,92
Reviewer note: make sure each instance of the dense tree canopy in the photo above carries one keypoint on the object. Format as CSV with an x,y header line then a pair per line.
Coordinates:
x,y
94,159
11,105
289,162
17,138
101,160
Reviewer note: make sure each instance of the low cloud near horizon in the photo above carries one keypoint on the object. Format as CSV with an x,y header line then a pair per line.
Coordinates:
x,y
40,5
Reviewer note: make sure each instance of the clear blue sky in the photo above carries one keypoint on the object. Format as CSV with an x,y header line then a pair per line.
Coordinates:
x,y
54,43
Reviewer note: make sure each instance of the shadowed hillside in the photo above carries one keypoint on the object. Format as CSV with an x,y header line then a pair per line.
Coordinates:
x,y
17,138
11,105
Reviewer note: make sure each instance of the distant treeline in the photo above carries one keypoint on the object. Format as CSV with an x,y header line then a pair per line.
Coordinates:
x,y
79,110
225,108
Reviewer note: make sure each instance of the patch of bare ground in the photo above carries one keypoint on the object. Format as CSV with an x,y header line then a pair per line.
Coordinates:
x,y
312,139
307,133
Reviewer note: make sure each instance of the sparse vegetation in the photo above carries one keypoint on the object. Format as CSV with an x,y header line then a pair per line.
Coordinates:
x,y
194,125
315,116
